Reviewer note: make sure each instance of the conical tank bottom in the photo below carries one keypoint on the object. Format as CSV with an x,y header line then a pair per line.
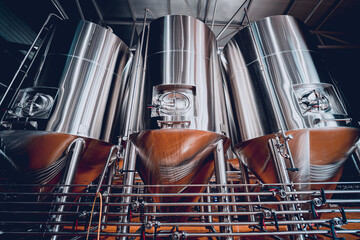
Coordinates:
x,y
40,157
176,157
318,154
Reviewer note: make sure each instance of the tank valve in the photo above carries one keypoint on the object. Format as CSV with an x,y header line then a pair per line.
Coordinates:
x,y
337,221
318,202
178,235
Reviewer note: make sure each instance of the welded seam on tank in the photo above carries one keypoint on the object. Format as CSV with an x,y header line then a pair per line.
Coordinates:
x,y
273,54
84,59
180,51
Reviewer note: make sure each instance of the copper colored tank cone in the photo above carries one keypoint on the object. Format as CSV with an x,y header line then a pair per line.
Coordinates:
x,y
41,157
176,156
318,153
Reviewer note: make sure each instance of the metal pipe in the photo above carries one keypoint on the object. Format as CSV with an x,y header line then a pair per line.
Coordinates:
x,y
231,19
220,173
78,146
210,219
280,165
214,185
245,178
147,9
111,152
323,222
213,17
60,9
196,194
129,120
190,235
313,11
108,190
127,183
247,9
326,18
209,204
283,175
190,214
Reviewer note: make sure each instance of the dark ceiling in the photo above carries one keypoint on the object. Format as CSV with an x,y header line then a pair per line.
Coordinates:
x,y
335,21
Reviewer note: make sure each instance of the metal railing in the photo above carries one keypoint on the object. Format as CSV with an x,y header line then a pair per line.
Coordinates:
x,y
22,213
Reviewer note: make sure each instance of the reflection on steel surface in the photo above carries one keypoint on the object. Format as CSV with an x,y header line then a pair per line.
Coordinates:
x,y
181,93
276,81
78,92
176,156
40,157
181,59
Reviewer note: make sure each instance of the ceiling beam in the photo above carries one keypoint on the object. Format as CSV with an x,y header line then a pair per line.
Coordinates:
x,y
230,21
169,7
60,9
327,17
214,13
199,9
81,13
338,47
248,10
137,23
189,8
206,10
313,11
132,10
289,7
98,11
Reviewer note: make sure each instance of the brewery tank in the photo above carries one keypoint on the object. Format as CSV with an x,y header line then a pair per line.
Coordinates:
x,y
279,88
78,92
178,114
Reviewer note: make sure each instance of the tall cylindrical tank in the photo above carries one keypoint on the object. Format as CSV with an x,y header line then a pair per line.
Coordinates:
x,y
278,85
78,92
178,111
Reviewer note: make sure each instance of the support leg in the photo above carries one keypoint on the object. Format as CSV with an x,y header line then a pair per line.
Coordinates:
x,y
221,179
77,145
245,180
128,182
284,178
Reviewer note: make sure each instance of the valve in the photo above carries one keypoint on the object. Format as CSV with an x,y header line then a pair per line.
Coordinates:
x,y
318,202
282,193
337,221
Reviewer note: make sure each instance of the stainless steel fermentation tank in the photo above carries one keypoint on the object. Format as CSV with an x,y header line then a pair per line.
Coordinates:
x,y
178,114
279,88
78,92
